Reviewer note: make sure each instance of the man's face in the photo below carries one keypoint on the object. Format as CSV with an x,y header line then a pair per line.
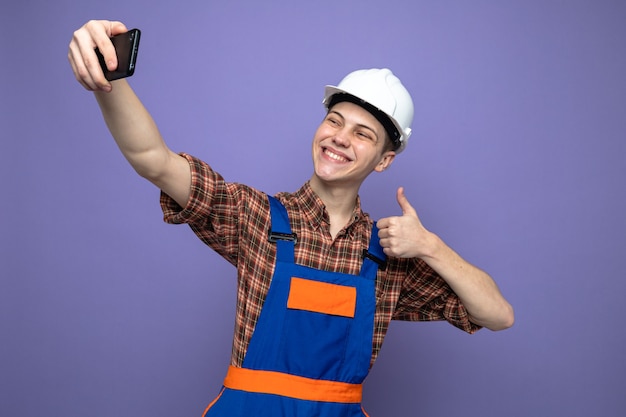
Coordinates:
x,y
348,145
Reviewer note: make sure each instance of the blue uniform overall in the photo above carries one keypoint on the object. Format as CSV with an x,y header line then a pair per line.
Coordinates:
x,y
312,344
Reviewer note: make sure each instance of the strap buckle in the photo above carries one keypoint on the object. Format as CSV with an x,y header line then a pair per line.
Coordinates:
x,y
381,263
276,236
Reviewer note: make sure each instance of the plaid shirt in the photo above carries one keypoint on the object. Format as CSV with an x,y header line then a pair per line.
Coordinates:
x,y
234,220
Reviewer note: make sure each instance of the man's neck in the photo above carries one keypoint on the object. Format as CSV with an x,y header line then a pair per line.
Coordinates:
x,y
339,201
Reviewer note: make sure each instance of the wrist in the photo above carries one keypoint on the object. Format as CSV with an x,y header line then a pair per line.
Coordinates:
x,y
433,247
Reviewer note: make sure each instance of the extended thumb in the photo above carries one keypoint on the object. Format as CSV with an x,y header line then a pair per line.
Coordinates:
x,y
406,207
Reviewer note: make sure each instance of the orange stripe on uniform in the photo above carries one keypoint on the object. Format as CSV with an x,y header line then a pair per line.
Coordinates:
x,y
206,410
322,297
278,383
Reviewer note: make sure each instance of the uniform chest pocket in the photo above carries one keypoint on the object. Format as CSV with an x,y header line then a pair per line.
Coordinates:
x,y
322,297
318,326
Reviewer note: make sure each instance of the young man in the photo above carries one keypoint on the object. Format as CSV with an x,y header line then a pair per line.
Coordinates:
x,y
318,280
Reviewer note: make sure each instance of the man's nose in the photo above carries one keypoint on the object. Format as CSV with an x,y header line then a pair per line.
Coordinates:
x,y
342,138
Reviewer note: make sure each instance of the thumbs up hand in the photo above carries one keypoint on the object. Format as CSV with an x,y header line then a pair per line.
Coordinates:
x,y
403,236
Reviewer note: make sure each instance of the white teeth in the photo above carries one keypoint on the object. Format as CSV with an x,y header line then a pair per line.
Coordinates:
x,y
335,156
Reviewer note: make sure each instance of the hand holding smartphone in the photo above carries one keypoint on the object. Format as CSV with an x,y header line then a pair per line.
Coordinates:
x,y
126,48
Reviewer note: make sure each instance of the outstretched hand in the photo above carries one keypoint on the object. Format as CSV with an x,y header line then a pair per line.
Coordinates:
x,y
403,236
82,55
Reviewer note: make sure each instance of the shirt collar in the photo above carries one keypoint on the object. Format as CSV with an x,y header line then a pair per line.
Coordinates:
x,y
315,211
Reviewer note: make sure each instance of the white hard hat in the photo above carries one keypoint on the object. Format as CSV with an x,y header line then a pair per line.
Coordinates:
x,y
384,93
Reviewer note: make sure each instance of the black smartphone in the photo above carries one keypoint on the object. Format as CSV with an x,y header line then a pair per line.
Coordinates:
x,y
126,48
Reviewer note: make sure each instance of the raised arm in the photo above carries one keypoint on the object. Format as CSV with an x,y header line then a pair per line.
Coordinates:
x,y
130,124
405,237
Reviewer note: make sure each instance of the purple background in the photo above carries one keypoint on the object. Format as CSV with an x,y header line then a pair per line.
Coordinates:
x,y
517,161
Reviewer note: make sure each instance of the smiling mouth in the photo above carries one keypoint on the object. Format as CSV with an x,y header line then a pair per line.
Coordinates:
x,y
334,156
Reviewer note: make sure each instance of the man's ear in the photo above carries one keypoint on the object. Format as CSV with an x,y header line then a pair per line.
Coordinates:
x,y
385,161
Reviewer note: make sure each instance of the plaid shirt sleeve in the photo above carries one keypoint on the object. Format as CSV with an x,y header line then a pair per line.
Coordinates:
x,y
214,209
425,296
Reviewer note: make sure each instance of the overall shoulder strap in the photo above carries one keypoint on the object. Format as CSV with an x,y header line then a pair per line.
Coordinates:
x,y
280,231
373,256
